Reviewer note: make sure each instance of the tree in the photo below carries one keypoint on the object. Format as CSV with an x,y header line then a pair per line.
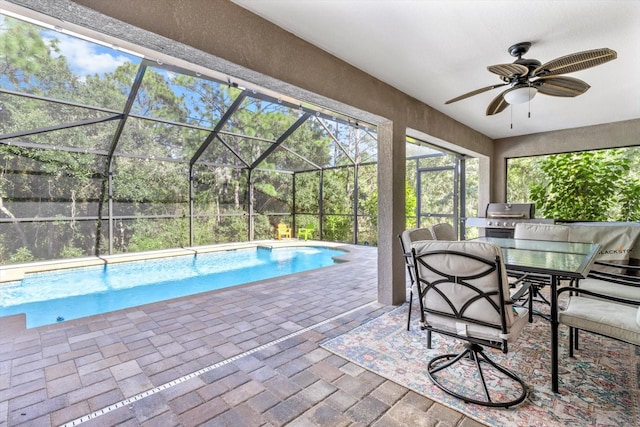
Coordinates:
x,y
410,204
630,202
65,179
581,186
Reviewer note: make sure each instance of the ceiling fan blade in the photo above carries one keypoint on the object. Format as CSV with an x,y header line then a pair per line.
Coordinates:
x,y
508,70
561,86
474,92
498,104
576,62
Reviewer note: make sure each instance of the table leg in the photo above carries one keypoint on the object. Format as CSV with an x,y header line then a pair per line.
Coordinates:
x,y
554,334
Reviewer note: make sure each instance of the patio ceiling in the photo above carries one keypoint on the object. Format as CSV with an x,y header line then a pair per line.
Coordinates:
x,y
437,50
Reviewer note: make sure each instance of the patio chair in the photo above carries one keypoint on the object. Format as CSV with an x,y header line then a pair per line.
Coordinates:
x,y
464,294
443,231
599,313
615,280
407,238
283,231
306,232
535,282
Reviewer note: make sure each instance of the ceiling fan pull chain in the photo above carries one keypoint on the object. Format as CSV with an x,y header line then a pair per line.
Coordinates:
x,y
511,109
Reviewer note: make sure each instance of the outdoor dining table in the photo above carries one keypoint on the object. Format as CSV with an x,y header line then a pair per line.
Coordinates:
x,y
558,260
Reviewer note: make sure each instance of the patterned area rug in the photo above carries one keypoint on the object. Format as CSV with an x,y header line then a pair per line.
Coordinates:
x,y
599,387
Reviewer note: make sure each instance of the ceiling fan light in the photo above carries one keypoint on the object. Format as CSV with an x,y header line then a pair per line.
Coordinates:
x,y
520,95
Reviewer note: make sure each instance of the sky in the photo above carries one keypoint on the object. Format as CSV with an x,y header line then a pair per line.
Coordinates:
x,y
86,58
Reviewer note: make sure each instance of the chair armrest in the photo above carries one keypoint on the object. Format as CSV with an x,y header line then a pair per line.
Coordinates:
x,y
619,278
598,295
539,279
520,292
619,266
516,275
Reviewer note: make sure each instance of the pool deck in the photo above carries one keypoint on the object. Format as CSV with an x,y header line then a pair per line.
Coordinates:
x,y
242,356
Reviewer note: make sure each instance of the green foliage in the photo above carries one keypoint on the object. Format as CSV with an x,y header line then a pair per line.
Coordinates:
x,y
411,204
338,228
307,192
630,202
140,243
21,255
147,234
371,207
71,252
521,173
434,172
584,186
66,174
232,229
472,188
262,228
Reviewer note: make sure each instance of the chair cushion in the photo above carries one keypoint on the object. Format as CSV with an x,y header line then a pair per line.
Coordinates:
x,y
443,231
462,266
415,235
521,319
408,237
603,317
610,288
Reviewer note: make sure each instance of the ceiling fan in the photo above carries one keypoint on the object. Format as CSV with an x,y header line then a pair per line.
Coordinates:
x,y
528,76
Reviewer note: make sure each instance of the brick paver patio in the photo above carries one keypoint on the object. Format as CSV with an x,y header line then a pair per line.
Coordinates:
x,y
242,356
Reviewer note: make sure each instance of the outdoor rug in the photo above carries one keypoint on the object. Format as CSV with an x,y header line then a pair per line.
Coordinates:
x,y
599,387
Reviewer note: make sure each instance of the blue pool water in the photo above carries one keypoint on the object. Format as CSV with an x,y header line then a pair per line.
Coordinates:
x,y
56,296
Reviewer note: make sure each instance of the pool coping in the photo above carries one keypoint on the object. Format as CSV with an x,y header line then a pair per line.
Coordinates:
x,y
16,272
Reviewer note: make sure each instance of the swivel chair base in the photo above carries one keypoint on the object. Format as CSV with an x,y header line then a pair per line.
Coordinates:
x,y
475,352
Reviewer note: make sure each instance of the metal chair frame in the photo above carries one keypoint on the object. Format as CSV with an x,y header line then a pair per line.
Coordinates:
x,y
408,260
474,346
534,284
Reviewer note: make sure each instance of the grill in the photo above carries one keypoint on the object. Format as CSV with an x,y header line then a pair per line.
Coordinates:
x,y
501,218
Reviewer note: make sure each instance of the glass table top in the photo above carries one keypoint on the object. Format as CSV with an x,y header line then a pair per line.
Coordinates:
x,y
540,256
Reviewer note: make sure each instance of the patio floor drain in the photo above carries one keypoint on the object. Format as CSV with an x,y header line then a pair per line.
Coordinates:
x,y
199,372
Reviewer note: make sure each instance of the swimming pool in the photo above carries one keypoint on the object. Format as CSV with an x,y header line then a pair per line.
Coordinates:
x,y
56,296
